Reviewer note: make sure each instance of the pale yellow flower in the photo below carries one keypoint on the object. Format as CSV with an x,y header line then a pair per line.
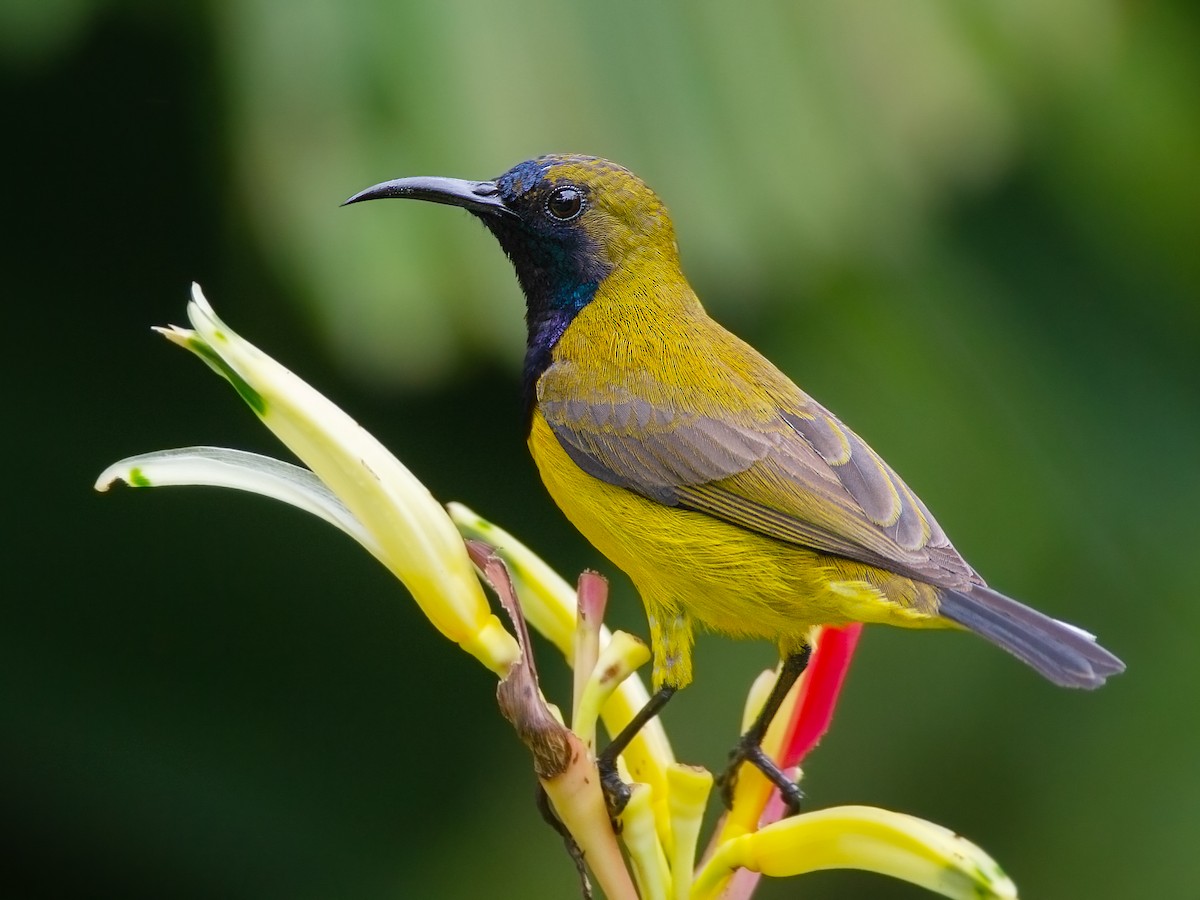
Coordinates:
x,y
354,483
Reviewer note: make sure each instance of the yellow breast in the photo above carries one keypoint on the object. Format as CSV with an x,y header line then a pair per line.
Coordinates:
x,y
638,339
688,565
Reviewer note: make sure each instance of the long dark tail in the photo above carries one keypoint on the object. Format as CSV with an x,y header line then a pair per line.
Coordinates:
x,y
1066,655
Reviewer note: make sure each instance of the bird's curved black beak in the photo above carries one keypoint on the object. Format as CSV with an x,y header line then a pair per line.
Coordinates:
x,y
476,196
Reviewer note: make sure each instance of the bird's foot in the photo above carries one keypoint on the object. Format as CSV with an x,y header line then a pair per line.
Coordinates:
x,y
749,750
616,791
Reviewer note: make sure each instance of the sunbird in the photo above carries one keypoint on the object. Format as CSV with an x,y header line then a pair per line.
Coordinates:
x,y
730,497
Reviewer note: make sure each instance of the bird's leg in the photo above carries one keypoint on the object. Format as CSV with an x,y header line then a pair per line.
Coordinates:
x,y
616,791
749,746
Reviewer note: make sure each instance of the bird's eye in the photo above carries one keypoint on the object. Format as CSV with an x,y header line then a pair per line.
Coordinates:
x,y
565,203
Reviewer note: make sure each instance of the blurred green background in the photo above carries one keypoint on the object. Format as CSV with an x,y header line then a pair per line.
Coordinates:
x,y
970,229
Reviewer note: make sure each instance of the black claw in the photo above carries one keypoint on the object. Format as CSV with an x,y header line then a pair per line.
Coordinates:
x,y
749,746
616,792
792,797
748,750
727,782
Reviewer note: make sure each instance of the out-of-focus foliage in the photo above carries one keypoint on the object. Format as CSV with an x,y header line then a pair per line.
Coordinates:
x,y
823,137
969,228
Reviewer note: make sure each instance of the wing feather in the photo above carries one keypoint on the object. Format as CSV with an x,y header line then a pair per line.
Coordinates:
x,y
787,469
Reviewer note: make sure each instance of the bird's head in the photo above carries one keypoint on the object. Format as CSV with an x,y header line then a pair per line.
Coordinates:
x,y
566,222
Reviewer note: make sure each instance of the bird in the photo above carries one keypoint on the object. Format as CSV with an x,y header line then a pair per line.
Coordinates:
x,y
732,499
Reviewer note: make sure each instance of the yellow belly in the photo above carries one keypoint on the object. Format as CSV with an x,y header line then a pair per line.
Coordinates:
x,y
690,566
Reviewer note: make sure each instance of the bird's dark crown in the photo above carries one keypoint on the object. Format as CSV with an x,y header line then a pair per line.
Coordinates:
x,y
573,220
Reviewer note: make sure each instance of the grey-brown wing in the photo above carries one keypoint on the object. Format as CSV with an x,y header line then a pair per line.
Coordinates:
x,y
797,475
